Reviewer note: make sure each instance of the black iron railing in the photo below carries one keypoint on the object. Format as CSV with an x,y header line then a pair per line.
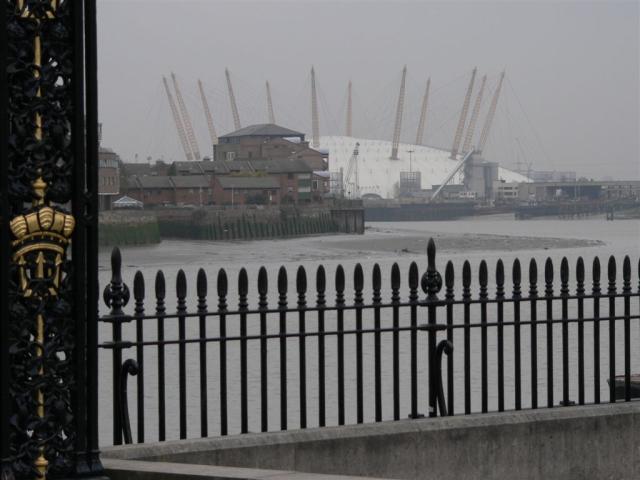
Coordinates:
x,y
505,347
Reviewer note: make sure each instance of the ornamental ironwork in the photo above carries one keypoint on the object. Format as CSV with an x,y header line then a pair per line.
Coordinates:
x,y
47,407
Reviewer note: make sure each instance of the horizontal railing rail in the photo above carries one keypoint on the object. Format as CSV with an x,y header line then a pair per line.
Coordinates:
x,y
355,360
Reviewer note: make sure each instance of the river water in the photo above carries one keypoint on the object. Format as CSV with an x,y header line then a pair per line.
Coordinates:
x,y
474,239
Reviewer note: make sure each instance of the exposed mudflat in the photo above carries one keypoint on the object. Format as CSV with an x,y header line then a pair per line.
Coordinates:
x,y
384,240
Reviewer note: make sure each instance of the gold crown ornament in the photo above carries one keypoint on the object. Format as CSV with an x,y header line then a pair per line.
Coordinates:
x,y
40,235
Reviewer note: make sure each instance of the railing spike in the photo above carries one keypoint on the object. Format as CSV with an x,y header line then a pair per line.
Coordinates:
x,y
564,271
321,280
223,287
533,275
160,286
283,281
612,270
500,276
626,269
395,277
340,282
138,286
376,278
483,275
301,280
595,271
580,273
263,282
201,283
449,275
181,284
516,277
413,276
548,273
358,278
243,283
466,274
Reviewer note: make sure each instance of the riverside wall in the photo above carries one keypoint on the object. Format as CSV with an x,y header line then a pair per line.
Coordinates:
x,y
565,443
227,223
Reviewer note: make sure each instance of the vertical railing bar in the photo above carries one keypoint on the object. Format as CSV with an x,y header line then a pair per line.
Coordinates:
x,y
466,298
243,305
596,329
548,291
517,295
612,328
340,284
626,291
181,293
580,291
160,291
564,293
138,294
376,281
282,305
201,288
483,274
223,290
449,281
321,281
358,284
533,297
500,295
432,284
301,287
395,300
413,309
263,304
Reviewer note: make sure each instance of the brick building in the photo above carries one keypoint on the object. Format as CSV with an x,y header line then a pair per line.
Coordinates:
x,y
268,142
245,190
158,190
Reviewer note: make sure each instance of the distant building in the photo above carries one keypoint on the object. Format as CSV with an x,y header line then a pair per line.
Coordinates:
x,y
553,176
230,190
506,192
480,176
108,177
164,190
579,190
268,142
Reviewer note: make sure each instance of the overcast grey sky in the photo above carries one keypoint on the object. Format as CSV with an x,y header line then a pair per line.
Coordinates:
x,y
571,100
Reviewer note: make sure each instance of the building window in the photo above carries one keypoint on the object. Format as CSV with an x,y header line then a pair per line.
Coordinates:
x,y
231,156
290,176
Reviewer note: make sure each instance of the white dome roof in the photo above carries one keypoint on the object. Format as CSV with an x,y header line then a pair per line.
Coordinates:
x,y
378,174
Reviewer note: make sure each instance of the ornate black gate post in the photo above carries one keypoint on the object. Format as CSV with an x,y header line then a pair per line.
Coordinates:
x,y
48,205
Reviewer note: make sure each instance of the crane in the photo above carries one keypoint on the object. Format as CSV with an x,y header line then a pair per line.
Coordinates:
x,y
207,114
352,170
423,114
315,120
490,115
474,117
232,101
272,117
186,120
178,121
463,117
349,126
399,110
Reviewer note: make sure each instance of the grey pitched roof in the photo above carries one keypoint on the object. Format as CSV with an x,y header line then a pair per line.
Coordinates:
x,y
281,166
248,183
190,181
154,181
192,168
263,130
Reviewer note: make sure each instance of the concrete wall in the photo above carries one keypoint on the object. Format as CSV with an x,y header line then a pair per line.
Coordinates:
x,y
592,442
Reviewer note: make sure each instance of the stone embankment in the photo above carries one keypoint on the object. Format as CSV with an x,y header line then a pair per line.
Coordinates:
x,y
225,223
